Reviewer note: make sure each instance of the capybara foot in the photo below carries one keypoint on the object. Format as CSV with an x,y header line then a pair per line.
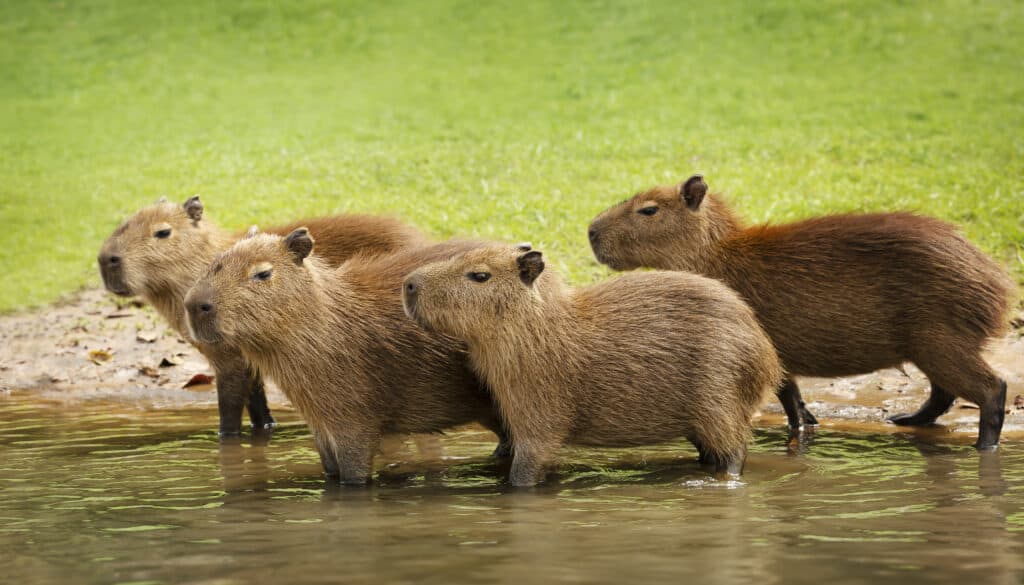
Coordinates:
x,y
938,403
991,425
809,419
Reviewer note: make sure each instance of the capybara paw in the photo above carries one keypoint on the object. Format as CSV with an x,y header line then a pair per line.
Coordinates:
x,y
229,433
911,420
809,419
354,481
986,446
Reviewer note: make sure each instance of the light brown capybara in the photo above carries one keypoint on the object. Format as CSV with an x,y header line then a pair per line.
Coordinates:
x,y
338,344
641,359
839,295
161,251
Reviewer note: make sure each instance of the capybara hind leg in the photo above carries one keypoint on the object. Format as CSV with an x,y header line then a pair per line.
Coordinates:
x,y
702,453
938,404
796,411
330,464
259,410
991,422
970,378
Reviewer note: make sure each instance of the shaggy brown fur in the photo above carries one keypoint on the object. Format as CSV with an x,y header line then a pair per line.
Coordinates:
x,y
161,251
338,344
641,359
839,295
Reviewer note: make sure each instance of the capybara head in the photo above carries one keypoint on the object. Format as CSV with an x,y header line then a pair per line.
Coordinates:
x,y
471,293
255,291
156,249
657,227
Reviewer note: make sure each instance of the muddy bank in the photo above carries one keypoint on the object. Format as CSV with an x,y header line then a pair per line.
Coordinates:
x,y
92,346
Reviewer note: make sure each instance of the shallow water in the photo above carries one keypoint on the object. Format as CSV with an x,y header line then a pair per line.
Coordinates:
x,y
95,492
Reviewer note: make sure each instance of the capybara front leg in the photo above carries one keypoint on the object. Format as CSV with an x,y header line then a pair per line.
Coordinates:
x,y
938,404
528,462
259,410
991,424
796,411
730,464
232,390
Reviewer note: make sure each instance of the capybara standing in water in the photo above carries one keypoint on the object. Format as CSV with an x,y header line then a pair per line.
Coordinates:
x,y
338,344
839,295
161,251
644,358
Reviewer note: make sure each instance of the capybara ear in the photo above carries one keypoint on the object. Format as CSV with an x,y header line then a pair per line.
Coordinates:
x,y
251,232
531,264
194,208
693,190
524,246
299,243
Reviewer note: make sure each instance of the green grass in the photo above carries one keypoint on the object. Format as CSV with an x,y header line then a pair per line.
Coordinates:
x,y
517,122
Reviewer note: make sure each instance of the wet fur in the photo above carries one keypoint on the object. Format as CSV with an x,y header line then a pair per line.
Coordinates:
x,y
644,358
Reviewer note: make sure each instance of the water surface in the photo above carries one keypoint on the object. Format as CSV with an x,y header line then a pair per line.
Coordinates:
x,y
96,492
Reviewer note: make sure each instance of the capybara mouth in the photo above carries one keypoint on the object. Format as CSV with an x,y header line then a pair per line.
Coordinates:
x,y
118,288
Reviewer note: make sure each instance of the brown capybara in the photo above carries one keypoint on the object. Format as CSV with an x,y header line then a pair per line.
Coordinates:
x,y
338,344
839,295
161,251
641,359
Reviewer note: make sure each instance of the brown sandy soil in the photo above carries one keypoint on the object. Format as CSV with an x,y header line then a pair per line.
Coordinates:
x,y
92,346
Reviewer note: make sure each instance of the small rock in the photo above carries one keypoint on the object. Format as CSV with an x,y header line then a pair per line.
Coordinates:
x,y
1018,402
149,371
119,315
146,336
169,361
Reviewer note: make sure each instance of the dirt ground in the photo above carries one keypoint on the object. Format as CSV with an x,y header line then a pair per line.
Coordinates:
x,y
92,346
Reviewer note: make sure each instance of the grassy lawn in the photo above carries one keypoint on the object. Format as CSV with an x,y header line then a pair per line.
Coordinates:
x,y
517,122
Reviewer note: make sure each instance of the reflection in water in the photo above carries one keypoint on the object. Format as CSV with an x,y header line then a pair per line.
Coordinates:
x,y
100,494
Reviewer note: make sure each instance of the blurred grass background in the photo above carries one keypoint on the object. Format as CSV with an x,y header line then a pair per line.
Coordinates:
x,y
517,121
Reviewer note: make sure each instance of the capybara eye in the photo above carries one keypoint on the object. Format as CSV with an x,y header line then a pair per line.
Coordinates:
x,y
165,233
265,275
479,276
648,210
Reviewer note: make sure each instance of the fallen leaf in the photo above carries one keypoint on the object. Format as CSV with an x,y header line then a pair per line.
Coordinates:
x,y
100,356
118,315
149,371
1018,402
1018,323
171,360
199,380
146,336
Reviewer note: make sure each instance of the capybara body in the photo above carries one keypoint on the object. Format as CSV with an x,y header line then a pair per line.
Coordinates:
x,y
641,359
839,295
161,251
338,344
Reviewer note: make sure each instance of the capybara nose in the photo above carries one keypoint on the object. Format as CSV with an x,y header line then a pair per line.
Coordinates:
x,y
410,290
592,234
114,260
110,260
205,307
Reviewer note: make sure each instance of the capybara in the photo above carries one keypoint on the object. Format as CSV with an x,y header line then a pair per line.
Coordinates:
x,y
161,251
839,295
338,344
641,359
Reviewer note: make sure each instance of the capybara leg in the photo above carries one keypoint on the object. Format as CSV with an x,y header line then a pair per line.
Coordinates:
x,y
938,404
327,459
504,448
702,454
354,454
232,390
969,377
259,410
529,459
796,411
730,464
991,423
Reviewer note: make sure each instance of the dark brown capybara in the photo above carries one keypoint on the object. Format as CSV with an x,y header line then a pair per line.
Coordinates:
x,y
839,295
338,344
161,251
641,359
